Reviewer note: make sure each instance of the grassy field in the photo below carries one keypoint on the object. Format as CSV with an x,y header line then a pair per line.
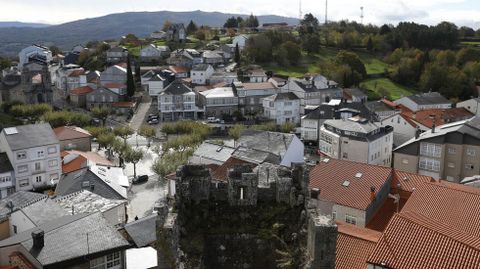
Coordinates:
x,y
377,88
470,43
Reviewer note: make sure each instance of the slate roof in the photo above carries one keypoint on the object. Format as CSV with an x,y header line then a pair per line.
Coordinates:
x,y
72,182
429,98
143,231
380,106
86,202
270,142
211,151
19,199
352,126
177,88
354,245
330,177
283,96
200,67
43,211
413,241
5,165
71,132
329,111
30,136
71,237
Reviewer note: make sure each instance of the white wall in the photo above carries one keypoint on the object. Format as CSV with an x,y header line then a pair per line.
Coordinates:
x,y
19,219
294,153
471,105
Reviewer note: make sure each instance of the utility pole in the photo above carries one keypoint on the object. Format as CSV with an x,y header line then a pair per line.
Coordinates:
x,y
300,10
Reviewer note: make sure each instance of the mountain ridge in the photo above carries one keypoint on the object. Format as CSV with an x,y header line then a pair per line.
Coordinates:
x,y
112,26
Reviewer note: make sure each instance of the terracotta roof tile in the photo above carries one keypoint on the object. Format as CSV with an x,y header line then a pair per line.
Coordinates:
x,y
70,132
413,241
124,104
258,86
442,116
330,177
82,160
354,245
408,181
115,85
221,173
77,73
178,69
81,90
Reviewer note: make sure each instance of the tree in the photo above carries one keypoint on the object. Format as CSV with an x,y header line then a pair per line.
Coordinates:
x,y
101,113
55,50
369,44
237,54
200,35
447,80
311,43
130,79
385,29
467,54
66,118
123,132
5,63
121,149
251,22
293,52
30,112
231,23
107,141
352,60
236,131
309,24
148,132
466,32
166,25
259,48
96,131
191,27
134,156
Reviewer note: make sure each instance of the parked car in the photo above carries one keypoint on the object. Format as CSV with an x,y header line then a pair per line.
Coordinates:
x,y
140,179
152,116
153,121
213,120
96,122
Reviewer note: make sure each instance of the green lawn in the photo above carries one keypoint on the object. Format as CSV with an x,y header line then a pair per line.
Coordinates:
x,y
293,71
379,87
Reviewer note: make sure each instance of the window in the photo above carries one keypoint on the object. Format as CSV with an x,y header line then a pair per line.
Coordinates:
x,y
429,164
451,165
22,155
38,179
452,151
469,166
23,182
431,150
22,168
52,163
287,113
15,229
345,155
52,150
334,215
53,176
405,161
241,194
38,167
40,153
106,262
288,103
350,219
471,152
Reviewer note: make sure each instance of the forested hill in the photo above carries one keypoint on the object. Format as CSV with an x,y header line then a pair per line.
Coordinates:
x,y
111,26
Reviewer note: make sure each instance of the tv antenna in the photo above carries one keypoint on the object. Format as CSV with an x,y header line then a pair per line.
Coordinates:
x,y
361,15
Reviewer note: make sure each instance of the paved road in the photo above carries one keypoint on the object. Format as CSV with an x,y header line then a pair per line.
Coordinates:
x,y
142,197
139,117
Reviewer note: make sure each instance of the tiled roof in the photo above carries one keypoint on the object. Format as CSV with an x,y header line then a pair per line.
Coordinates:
x,y
70,132
178,69
74,165
82,160
442,116
332,176
408,181
258,86
354,245
413,241
124,104
451,204
114,85
221,173
77,73
81,90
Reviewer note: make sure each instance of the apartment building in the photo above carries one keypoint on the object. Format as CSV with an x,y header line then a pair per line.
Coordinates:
x,y
357,139
178,101
450,151
34,152
282,107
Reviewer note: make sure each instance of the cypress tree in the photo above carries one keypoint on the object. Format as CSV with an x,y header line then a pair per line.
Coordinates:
x,y
237,54
130,80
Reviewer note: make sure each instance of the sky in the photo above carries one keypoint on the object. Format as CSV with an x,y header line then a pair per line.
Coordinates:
x,y
461,12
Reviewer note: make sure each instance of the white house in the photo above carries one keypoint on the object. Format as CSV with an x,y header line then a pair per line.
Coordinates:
x,y
212,57
404,128
154,52
114,74
77,78
257,76
36,52
201,73
282,107
424,101
241,40
472,105
178,101
7,179
357,139
156,84
34,152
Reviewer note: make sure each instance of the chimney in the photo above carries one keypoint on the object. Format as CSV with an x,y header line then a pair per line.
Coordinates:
x,y
315,193
433,124
417,132
414,115
38,237
373,196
